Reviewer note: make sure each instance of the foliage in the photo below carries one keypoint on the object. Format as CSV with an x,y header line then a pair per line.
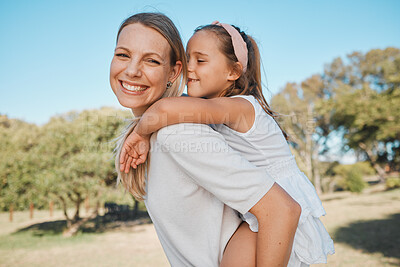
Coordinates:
x,y
362,167
357,99
66,160
364,105
306,128
392,183
352,175
18,164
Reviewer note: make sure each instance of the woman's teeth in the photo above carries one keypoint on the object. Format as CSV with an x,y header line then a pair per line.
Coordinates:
x,y
133,88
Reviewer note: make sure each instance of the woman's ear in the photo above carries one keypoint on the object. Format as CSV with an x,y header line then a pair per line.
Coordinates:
x,y
235,72
176,70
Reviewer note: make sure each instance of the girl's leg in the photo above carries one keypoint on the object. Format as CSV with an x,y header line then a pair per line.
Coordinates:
x,y
241,248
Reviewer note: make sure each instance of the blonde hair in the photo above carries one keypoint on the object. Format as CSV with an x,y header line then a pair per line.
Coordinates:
x,y
249,82
134,181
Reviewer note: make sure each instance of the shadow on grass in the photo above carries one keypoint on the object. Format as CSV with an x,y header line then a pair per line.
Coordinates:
x,y
334,198
100,224
373,236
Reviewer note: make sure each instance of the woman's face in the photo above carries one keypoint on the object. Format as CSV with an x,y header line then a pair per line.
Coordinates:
x,y
141,67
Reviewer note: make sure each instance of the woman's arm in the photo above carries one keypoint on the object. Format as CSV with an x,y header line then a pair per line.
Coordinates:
x,y
236,113
277,215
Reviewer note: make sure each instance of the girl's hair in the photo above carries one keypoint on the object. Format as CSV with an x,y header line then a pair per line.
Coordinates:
x,y
249,83
134,181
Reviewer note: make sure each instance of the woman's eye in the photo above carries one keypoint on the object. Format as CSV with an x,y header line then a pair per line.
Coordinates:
x,y
153,61
121,55
201,60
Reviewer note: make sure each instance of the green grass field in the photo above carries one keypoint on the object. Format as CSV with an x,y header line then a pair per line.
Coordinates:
x,y
365,228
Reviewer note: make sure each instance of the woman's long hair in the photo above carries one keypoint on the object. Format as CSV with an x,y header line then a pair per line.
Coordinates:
x,y
134,181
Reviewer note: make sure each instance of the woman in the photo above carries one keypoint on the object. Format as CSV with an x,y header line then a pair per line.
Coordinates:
x,y
195,181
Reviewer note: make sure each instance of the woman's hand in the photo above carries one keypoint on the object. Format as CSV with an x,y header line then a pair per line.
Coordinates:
x,y
134,151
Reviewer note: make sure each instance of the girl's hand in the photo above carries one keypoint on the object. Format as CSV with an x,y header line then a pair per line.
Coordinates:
x,y
134,151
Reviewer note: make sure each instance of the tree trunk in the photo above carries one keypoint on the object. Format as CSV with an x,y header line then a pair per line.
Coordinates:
x,y
317,181
77,224
77,209
11,212
73,229
308,146
316,174
372,159
87,205
381,172
51,204
64,205
31,211
135,208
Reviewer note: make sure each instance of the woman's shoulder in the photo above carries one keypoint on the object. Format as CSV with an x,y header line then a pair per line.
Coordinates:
x,y
183,131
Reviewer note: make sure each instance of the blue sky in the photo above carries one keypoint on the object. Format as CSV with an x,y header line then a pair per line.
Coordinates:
x,y
55,55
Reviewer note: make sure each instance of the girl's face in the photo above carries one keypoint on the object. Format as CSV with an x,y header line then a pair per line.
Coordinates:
x,y
208,69
141,68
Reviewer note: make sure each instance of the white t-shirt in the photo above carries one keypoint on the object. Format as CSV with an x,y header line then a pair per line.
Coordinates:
x,y
194,185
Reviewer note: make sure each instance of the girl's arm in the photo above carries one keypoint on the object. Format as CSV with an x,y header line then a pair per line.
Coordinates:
x,y
236,113
277,215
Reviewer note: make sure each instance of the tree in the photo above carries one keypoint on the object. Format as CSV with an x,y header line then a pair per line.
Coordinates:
x,y
18,164
365,104
67,160
307,129
77,158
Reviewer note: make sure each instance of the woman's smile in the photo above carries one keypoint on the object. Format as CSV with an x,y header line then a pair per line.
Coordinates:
x,y
134,89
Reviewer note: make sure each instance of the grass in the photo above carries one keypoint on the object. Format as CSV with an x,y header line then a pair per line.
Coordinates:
x,y
365,228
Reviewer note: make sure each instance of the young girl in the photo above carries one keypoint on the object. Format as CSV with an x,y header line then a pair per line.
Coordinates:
x,y
224,68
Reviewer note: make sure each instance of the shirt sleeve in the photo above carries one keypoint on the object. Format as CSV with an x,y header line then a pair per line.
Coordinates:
x,y
204,155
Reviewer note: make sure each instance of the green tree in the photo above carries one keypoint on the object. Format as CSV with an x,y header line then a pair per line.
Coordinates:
x,y
77,163
307,129
364,105
66,160
18,164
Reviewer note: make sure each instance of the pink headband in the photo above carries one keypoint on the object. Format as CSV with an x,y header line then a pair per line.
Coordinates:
x,y
239,45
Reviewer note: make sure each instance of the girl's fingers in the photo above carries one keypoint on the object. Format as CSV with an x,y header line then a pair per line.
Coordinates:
x,y
141,159
122,157
128,164
135,154
122,162
134,164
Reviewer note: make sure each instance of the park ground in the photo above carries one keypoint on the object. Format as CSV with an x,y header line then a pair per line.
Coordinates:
x,y
365,228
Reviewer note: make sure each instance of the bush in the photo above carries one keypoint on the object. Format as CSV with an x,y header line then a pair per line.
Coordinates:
x,y
352,176
392,183
354,181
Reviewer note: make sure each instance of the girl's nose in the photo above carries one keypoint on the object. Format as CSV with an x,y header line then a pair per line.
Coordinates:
x,y
133,69
190,66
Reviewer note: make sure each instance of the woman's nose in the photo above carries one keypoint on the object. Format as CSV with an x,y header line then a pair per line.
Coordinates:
x,y
133,69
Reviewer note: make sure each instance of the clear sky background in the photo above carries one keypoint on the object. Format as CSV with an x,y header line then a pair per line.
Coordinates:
x,y
55,55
